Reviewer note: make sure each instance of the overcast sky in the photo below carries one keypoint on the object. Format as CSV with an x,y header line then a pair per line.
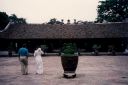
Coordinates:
x,y
40,11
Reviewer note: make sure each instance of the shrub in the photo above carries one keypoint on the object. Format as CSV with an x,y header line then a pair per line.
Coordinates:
x,y
69,48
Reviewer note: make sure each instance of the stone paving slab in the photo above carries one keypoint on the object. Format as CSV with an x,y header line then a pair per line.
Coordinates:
x,y
92,70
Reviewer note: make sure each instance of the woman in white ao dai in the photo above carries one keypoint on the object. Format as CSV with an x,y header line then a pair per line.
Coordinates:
x,y
39,62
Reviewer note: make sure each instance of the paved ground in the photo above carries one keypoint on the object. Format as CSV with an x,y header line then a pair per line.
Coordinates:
x,y
92,70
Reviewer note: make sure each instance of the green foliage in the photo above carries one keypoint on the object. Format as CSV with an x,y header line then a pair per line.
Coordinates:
x,y
3,20
95,46
112,10
17,20
69,48
54,21
44,47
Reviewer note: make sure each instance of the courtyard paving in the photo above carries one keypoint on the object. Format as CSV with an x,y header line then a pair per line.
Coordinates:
x,y
91,70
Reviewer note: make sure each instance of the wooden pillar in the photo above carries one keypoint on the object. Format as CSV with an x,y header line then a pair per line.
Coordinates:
x,y
10,47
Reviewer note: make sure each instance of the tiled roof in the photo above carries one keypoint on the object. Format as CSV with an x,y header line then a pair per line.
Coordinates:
x,y
43,31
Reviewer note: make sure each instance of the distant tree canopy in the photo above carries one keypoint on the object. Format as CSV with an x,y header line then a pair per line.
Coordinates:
x,y
112,10
17,20
4,19
55,21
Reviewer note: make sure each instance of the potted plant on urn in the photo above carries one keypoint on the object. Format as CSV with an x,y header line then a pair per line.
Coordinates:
x,y
111,50
69,59
96,48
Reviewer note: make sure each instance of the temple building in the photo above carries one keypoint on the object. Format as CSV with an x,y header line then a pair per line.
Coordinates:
x,y
53,36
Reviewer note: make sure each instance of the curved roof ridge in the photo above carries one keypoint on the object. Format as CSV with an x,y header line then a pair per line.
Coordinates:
x,y
7,26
